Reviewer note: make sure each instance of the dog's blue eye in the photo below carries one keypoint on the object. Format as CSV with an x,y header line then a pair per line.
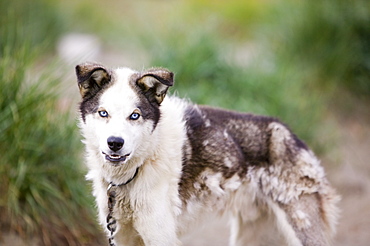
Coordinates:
x,y
103,113
134,116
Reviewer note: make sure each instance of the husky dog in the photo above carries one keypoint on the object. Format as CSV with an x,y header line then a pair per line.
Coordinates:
x,y
170,161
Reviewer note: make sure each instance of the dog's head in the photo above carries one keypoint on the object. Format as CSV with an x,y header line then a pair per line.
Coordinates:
x,y
120,109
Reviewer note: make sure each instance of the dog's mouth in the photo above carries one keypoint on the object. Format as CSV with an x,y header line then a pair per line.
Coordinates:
x,y
115,158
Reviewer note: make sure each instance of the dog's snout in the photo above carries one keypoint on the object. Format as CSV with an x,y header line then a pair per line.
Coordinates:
x,y
115,143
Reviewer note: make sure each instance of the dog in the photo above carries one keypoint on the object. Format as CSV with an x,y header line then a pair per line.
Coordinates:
x,y
170,161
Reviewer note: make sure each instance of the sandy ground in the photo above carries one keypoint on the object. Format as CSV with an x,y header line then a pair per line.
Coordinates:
x,y
351,177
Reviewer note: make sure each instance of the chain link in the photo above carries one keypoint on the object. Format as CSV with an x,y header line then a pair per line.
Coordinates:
x,y
111,221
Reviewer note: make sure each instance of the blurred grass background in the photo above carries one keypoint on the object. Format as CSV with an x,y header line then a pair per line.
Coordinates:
x,y
301,61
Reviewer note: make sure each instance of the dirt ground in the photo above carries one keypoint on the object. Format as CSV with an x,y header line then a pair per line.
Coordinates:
x,y
351,178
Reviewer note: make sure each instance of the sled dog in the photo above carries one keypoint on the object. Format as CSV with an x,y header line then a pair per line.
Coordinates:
x,y
157,163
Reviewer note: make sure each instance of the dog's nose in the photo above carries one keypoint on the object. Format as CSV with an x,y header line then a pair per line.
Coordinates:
x,y
115,143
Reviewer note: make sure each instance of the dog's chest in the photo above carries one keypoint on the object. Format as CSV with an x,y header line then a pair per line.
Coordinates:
x,y
123,211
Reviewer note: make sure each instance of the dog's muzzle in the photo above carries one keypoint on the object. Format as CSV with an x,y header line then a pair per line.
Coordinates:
x,y
115,158
115,144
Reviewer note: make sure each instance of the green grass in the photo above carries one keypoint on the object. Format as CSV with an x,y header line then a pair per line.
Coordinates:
x,y
42,186
330,40
39,22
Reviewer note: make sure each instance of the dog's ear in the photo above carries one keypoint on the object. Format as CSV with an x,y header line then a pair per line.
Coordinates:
x,y
91,78
154,83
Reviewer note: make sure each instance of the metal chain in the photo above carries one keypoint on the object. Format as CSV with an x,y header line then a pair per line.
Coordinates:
x,y
111,221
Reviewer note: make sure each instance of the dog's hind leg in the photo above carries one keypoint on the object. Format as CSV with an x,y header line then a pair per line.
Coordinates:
x,y
306,221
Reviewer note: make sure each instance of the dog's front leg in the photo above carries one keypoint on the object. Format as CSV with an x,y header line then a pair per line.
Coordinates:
x,y
155,221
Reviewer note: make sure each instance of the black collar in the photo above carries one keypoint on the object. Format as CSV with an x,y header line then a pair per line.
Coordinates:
x,y
128,181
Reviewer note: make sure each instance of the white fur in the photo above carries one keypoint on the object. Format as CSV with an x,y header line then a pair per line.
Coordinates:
x,y
155,201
